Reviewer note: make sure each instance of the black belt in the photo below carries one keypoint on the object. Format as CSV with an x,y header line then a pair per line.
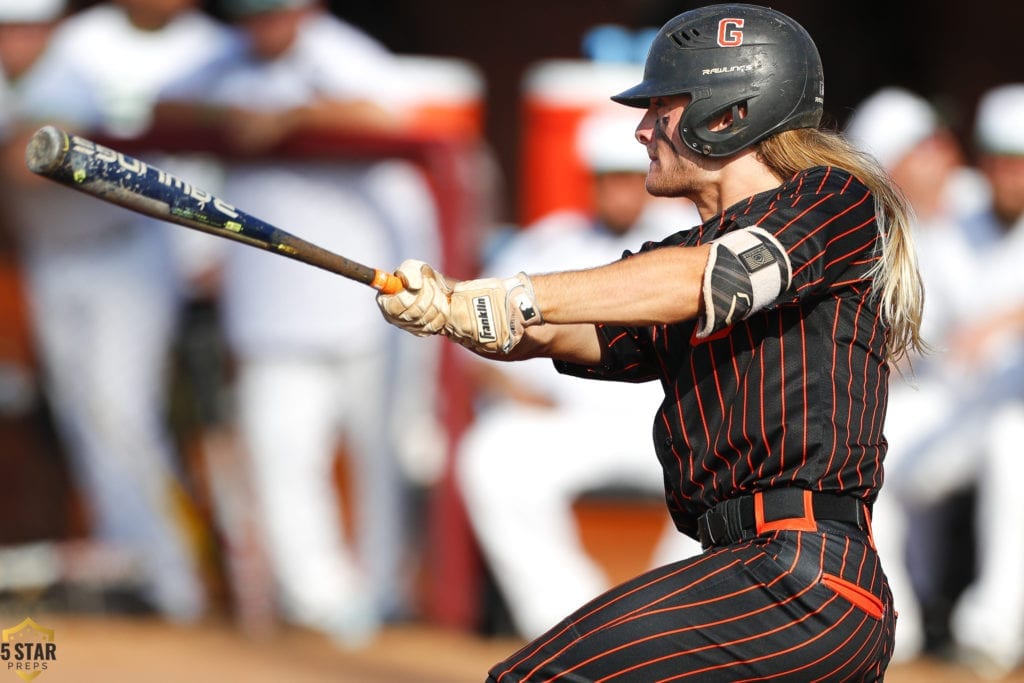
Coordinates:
x,y
777,509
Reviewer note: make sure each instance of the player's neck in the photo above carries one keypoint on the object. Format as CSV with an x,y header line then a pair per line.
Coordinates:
x,y
743,176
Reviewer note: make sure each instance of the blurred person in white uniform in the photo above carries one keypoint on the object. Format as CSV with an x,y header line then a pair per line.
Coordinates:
x,y
583,436
33,466
25,30
963,422
105,293
905,133
315,368
987,623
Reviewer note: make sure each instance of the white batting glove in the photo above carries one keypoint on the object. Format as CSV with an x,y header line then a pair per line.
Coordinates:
x,y
491,314
422,307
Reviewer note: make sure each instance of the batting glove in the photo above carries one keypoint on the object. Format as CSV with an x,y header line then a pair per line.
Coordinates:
x,y
491,315
422,307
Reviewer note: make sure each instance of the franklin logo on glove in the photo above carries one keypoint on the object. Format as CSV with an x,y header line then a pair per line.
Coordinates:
x,y
484,318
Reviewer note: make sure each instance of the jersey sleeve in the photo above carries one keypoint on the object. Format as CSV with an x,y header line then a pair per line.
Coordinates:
x,y
627,357
825,221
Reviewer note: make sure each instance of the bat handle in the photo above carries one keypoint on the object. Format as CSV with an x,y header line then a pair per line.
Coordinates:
x,y
387,283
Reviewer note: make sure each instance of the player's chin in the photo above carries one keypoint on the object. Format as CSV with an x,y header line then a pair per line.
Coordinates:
x,y
657,186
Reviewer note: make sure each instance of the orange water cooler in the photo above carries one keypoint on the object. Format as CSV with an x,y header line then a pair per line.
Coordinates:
x,y
556,96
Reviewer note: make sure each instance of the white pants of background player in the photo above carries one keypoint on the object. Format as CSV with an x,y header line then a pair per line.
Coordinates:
x,y
914,411
943,437
104,313
520,469
317,366
293,413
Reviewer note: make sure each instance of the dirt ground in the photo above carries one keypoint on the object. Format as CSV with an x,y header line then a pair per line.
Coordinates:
x,y
133,649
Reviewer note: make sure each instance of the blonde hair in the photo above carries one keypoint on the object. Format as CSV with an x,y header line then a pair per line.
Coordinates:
x,y
897,281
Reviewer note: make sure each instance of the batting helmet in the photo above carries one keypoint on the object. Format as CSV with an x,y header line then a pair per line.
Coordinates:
x,y
731,56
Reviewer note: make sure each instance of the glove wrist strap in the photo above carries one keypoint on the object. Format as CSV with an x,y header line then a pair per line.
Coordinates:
x,y
522,298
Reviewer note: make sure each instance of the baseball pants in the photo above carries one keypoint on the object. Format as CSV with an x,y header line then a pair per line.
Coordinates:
x,y
787,606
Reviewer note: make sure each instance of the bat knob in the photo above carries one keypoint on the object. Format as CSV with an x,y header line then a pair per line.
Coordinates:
x,y
45,150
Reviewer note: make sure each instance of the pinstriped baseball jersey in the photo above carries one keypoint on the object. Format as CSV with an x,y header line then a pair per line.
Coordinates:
x,y
792,396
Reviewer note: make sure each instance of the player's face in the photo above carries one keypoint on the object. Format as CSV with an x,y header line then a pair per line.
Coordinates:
x,y
620,199
924,170
675,170
273,33
155,14
1006,178
21,44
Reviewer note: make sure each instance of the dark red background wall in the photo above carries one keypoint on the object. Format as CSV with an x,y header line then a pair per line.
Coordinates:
x,y
948,50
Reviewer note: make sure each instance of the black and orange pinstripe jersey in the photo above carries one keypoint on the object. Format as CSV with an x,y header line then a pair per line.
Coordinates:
x,y
794,395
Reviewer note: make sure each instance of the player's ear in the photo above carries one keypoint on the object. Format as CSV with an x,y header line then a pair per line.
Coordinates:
x,y
722,122
726,119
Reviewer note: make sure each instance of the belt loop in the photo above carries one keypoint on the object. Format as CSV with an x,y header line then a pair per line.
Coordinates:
x,y
867,526
804,523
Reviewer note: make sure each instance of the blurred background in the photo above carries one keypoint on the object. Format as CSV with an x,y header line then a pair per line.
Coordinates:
x,y
191,455
949,51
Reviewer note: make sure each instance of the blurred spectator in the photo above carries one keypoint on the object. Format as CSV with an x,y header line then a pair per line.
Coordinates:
x,y
987,623
315,368
962,424
584,437
34,476
25,29
905,133
104,292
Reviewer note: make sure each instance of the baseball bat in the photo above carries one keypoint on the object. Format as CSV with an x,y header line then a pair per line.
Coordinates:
x,y
117,178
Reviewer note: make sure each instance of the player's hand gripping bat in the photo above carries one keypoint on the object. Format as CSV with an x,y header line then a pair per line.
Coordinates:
x,y
120,179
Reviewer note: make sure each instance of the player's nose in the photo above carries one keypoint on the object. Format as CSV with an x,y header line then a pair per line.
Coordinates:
x,y
644,133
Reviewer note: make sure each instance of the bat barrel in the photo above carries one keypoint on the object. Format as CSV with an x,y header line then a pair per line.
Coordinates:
x,y
112,176
46,149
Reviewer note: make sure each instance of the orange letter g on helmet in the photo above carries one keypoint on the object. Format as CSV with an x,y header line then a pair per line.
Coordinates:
x,y
729,33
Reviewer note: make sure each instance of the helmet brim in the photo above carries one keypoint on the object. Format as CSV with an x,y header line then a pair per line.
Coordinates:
x,y
636,96
640,94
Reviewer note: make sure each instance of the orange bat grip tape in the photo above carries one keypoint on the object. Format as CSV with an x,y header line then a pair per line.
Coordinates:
x,y
386,282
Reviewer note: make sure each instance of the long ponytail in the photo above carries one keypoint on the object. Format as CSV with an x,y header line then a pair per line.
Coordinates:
x,y
897,281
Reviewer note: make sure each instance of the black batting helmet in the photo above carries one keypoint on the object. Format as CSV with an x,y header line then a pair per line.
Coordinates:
x,y
731,56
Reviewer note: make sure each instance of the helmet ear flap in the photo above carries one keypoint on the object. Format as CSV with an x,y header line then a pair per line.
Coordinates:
x,y
729,119
737,120
704,131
